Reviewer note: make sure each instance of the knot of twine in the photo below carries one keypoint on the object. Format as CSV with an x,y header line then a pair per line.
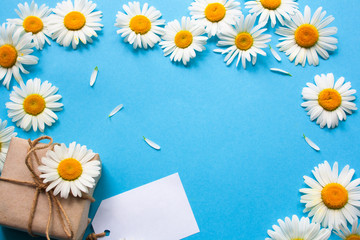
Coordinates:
x,y
41,187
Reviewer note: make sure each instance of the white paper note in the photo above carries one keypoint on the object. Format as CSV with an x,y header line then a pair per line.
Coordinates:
x,y
156,211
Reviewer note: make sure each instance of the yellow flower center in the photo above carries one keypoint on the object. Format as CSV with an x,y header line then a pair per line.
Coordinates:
x,y
329,99
74,20
8,56
140,24
33,24
306,35
297,239
270,4
353,237
215,12
183,39
70,169
334,195
34,104
244,41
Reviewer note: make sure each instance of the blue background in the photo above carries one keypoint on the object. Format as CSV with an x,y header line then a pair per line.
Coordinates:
x,y
234,135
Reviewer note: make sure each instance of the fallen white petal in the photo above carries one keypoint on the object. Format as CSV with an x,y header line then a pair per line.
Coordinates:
x,y
152,144
93,76
118,108
275,54
311,143
280,71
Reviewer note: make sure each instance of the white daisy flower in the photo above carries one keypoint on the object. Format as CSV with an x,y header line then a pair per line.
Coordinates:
x,y
295,229
328,102
332,198
305,38
74,22
244,40
15,50
140,27
215,15
275,10
33,105
182,40
347,234
70,169
33,19
6,133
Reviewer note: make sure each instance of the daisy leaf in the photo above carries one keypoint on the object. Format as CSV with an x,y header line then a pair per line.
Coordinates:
x,y
116,109
93,76
151,143
311,143
278,70
275,54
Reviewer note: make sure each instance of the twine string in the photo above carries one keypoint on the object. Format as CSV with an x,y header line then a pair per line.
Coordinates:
x,y
95,236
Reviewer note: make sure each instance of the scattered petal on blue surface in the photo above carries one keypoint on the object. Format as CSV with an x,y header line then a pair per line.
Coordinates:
x,y
116,109
152,144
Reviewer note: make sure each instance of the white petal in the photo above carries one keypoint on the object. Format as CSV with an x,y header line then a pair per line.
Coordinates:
x,y
93,76
152,144
280,71
116,109
275,54
311,143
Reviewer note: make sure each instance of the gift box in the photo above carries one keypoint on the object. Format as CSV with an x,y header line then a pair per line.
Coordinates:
x,y
26,206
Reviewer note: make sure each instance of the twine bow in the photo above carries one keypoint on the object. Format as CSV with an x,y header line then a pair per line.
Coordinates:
x,y
41,187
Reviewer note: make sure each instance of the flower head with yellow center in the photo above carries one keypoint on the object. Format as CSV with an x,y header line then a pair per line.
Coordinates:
x,y
215,15
6,133
273,10
295,229
181,40
306,37
33,105
332,198
15,49
328,101
34,20
245,40
72,169
75,22
349,234
141,27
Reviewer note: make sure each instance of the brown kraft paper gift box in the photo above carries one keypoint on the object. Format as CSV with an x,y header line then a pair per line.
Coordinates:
x,y
17,199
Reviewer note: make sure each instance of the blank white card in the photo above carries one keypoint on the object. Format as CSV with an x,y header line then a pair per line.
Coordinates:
x,y
156,211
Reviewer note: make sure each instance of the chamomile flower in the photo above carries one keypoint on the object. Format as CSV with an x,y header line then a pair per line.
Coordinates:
x,y
243,40
182,40
6,133
70,169
75,22
33,19
332,199
15,50
140,27
305,38
294,229
275,10
33,105
347,234
215,15
328,102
